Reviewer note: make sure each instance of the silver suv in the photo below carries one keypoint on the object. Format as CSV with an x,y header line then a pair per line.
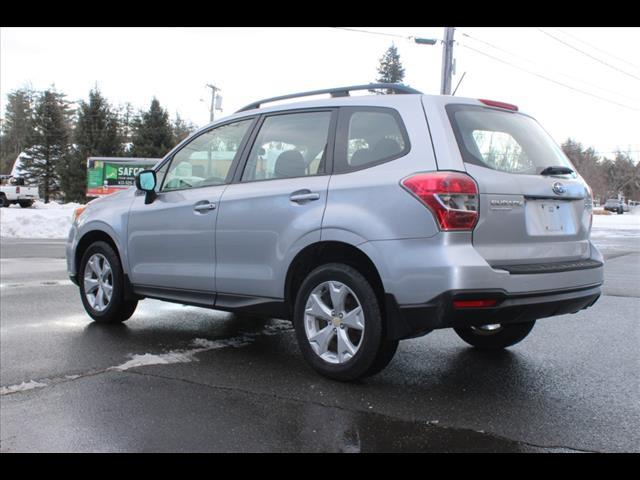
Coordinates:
x,y
364,220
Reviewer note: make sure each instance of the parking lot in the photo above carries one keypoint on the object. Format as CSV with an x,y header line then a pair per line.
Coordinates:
x,y
177,378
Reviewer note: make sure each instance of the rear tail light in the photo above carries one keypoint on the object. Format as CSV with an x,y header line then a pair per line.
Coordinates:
x,y
590,192
17,189
451,196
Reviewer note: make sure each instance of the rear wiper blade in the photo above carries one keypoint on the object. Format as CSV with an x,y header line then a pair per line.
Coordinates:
x,y
556,171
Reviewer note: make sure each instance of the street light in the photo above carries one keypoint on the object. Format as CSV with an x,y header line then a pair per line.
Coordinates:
x,y
425,41
447,58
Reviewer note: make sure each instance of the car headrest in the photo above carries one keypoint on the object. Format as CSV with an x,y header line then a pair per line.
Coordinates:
x,y
386,147
360,157
289,164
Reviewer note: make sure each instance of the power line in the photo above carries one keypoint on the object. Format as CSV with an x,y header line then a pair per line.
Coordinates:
x,y
550,79
588,54
537,64
599,49
372,33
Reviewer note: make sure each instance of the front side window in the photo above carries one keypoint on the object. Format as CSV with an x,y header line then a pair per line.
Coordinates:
x,y
505,141
205,161
289,145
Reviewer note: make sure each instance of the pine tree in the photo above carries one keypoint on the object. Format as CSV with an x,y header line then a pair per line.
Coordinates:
x,y
152,133
96,134
390,69
126,117
16,127
182,128
49,141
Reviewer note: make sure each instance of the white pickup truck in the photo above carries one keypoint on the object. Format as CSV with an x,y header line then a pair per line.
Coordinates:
x,y
13,190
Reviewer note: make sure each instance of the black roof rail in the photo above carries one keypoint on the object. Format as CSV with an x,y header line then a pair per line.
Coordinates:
x,y
336,92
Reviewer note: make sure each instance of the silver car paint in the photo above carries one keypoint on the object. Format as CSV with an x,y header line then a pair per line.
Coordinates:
x,y
260,230
172,245
109,215
256,240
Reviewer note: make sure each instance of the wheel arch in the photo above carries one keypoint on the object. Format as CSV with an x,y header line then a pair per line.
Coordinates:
x,y
97,235
90,238
330,251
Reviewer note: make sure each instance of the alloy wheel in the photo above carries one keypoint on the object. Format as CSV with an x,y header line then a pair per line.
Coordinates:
x,y
98,282
334,322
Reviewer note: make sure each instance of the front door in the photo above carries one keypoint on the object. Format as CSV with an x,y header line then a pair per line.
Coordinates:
x,y
171,241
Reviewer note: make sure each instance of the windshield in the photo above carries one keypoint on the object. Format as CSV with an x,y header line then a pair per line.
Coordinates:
x,y
506,141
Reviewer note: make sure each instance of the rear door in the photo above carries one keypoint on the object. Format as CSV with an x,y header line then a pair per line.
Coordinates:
x,y
275,207
529,212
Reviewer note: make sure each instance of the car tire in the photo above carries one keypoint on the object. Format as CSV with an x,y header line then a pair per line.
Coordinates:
x,y
3,201
26,204
496,338
106,265
345,352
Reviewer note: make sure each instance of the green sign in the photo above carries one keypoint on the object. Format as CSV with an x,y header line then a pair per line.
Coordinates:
x,y
112,174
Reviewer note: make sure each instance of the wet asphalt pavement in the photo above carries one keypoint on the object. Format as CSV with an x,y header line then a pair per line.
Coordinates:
x,y
239,384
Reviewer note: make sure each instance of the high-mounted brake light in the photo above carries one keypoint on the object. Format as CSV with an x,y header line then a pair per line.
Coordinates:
x,y
451,196
493,103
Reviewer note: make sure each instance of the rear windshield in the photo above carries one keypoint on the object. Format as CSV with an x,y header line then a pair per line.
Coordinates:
x,y
506,141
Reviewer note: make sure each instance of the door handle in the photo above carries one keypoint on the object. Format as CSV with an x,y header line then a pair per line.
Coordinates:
x,y
204,207
304,197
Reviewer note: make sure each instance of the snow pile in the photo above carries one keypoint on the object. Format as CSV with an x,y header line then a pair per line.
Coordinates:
x,y
30,385
43,220
200,345
181,356
626,221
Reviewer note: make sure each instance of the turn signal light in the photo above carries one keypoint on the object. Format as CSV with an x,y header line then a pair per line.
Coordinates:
x,y
76,213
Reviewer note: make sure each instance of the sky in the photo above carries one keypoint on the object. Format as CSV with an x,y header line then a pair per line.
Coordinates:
x,y
174,64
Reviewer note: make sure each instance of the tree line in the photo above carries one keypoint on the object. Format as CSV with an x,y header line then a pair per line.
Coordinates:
x,y
607,177
57,139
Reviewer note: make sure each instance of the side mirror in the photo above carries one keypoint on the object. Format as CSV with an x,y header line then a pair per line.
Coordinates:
x,y
146,182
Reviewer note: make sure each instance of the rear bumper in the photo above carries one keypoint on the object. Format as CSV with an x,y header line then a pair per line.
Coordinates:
x,y
409,321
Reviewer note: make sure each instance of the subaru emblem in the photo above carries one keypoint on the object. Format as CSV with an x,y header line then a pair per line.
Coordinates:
x,y
558,188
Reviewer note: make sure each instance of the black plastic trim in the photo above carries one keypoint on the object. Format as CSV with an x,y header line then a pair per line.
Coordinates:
x,y
186,297
408,321
228,302
250,305
556,267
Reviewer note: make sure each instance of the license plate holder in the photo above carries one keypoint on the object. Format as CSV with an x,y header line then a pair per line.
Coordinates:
x,y
548,217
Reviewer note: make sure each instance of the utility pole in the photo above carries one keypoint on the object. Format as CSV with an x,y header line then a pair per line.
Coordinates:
x,y
447,61
214,89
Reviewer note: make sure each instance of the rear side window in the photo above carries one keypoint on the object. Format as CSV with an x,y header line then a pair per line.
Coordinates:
x,y
289,145
369,136
505,141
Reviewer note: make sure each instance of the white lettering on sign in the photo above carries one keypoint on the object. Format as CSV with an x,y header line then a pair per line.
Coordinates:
x,y
129,171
